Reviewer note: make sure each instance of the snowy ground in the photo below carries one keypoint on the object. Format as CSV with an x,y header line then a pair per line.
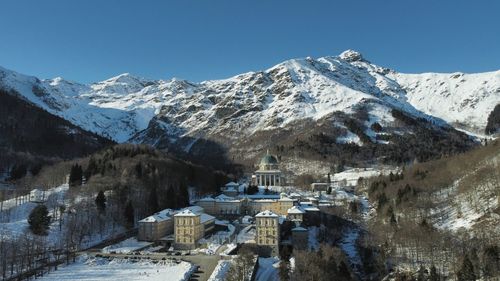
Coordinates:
x,y
91,268
52,194
126,246
348,246
14,219
351,176
246,235
312,238
220,271
268,269
464,211
214,242
230,247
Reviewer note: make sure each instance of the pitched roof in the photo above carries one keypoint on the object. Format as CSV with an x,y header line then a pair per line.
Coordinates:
x,y
204,218
160,216
185,213
266,213
299,228
295,210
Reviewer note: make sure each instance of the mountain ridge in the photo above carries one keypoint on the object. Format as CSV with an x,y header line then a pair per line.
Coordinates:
x,y
330,90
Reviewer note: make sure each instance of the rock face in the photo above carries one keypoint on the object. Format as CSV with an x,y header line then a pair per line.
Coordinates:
x,y
344,97
351,55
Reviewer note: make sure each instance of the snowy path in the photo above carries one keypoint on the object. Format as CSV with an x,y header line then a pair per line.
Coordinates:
x,y
268,269
348,245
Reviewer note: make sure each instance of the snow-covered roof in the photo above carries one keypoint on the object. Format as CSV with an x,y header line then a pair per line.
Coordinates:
x,y
195,209
265,200
260,196
299,228
205,217
295,194
267,214
190,211
207,199
232,184
246,219
185,213
224,197
295,210
285,199
36,191
160,216
311,209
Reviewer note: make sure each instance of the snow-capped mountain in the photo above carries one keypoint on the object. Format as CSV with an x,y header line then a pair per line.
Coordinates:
x,y
462,100
288,95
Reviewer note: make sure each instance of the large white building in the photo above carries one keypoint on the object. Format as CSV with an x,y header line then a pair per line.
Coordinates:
x,y
268,173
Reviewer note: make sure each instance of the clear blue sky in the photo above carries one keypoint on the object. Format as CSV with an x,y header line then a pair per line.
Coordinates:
x,y
90,40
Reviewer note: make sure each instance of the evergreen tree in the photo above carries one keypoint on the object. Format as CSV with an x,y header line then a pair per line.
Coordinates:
x,y
329,182
331,266
340,167
91,168
343,271
434,276
252,189
129,213
39,220
153,201
466,271
183,196
170,197
75,175
421,273
17,172
100,202
491,261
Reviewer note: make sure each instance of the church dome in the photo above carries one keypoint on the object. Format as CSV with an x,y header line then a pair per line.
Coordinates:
x,y
269,160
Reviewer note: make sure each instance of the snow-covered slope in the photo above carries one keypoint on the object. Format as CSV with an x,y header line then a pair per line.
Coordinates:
x,y
127,107
463,100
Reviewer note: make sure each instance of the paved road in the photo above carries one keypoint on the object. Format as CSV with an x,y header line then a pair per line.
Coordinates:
x,y
206,265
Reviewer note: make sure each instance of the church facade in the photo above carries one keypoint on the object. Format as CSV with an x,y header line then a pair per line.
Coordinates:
x,y
268,173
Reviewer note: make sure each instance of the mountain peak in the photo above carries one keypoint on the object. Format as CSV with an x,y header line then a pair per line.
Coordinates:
x,y
351,55
124,78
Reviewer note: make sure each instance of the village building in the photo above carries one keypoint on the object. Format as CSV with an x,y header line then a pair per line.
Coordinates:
x,y
268,173
190,225
312,215
225,206
299,238
267,233
256,206
230,189
221,205
319,186
296,214
37,196
156,226
283,204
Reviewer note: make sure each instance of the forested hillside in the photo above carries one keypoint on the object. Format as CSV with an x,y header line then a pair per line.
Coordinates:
x,y
30,136
147,178
442,214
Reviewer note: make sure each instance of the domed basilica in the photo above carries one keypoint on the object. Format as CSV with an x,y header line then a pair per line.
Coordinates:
x,y
268,173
